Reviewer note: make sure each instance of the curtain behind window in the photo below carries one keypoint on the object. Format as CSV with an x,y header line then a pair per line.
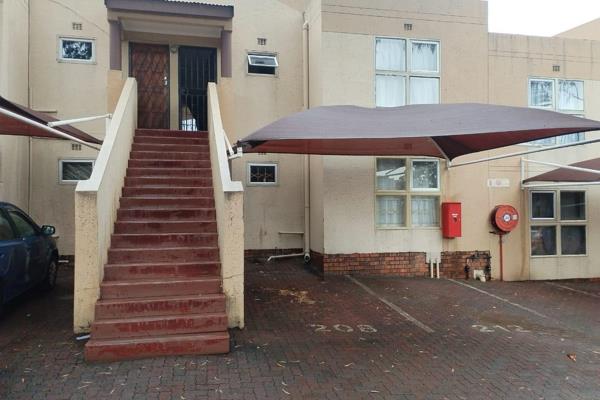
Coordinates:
x,y
542,93
425,210
424,57
424,90
390,91
390,54
570,95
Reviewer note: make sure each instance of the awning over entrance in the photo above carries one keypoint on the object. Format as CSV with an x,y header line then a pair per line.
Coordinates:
x,y
436,130
11,126
571,175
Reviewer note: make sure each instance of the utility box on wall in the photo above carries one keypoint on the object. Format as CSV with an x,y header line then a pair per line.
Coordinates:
x,y
451,220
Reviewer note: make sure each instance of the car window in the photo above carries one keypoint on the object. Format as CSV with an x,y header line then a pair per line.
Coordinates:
x,y
6,231
24,227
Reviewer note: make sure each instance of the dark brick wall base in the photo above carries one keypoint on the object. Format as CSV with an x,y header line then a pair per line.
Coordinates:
x,y
454,262
266,253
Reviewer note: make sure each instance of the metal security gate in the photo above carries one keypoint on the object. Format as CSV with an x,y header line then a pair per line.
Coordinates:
x,y
197,67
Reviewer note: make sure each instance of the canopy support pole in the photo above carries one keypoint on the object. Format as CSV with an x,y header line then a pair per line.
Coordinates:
x,y
522,153
46,128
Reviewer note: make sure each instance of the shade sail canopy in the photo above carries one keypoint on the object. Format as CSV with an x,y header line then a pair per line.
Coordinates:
x,y
11,126
436,130
570,175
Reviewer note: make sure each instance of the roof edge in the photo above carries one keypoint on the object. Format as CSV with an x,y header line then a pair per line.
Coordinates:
x,y
178,8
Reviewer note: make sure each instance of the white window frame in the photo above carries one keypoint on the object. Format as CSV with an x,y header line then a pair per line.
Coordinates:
x,y
71,160
553,81
408,72
274,56
408,193
557,222
437,188
60,57
262,164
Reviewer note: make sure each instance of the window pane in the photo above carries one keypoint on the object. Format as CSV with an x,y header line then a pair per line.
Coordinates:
x,y
425,210
570,95
6,232
390,54
424,56
424,90
390,91
391,174
74,49
544,142
543,240
391,211
425,175
570,138
542,205
263,174
572,206
541,93
572,240
24,228
76,170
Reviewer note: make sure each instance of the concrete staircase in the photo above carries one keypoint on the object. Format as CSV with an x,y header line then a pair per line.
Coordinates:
x,y
162,289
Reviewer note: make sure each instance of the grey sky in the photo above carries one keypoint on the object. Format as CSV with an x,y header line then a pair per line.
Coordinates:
x,y
540,17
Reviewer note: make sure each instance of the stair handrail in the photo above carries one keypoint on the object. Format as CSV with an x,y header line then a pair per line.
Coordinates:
x,y
223,146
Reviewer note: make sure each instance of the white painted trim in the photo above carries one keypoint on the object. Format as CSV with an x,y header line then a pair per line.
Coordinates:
x,y
60,58
75,161
263,164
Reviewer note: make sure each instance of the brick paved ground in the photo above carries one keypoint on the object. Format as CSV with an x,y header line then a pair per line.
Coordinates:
x,y
308,339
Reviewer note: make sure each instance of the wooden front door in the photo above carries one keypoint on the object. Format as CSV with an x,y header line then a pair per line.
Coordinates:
x,y
149,65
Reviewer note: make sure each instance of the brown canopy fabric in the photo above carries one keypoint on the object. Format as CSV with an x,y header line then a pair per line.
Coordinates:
x,y
425,130
569,175
11,126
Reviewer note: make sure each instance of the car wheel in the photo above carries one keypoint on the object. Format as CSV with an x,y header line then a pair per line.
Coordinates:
x,y
50,280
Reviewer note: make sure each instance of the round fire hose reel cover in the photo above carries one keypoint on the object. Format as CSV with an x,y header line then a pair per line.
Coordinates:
x,y
505,218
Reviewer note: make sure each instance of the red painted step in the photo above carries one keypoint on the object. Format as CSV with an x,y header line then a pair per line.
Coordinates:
x,y
169,155
169,133
152,191
157,271
159,325
160,226
175,305
168,254
161,288
184,148
168,345
182,172
170,140
167,203
169,181
160,240
181,214
158,163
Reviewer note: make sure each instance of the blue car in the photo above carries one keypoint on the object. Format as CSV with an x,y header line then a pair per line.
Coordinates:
x,y
28,254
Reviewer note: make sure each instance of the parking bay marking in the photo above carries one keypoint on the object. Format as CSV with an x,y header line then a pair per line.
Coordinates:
x,y
500,298
391,305
573,290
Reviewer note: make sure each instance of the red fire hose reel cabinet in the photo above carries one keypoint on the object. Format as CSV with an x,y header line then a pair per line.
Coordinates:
x,y
505,218
451,220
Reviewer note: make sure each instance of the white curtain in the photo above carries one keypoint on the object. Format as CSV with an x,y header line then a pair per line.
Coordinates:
x,y
570,95
390,54
425,210
424,56
390,91
424,90
391,210
541,93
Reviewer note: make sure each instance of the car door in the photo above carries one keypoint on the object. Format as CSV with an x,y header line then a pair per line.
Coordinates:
x,y
33,239
13,260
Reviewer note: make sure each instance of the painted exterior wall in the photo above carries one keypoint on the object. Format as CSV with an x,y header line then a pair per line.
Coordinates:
x,y
14,150
590,31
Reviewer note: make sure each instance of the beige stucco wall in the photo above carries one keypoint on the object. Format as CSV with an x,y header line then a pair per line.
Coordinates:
x,y
14,150
590,30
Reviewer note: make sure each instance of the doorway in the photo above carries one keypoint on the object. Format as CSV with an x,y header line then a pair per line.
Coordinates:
x,y
197,67
149,65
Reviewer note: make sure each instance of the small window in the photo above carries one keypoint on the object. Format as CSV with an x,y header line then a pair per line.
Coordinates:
x,y
391,211
543,240
425,210
572,240
572,206
541,93
570,95
262,174
390,54
425,175
264,64
424,90
391,90
77,50
73,171
542,205
425,56
391,174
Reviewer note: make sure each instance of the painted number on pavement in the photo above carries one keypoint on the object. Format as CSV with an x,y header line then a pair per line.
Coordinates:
x,y
494,328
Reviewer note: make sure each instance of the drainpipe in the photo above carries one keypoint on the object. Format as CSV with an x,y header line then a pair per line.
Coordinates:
x,y
306,169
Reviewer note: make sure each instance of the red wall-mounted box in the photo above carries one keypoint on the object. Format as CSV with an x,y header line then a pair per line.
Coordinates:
x,y
451,220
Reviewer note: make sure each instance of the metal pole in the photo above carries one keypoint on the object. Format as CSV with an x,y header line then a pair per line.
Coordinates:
x,y
46,128
77,120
